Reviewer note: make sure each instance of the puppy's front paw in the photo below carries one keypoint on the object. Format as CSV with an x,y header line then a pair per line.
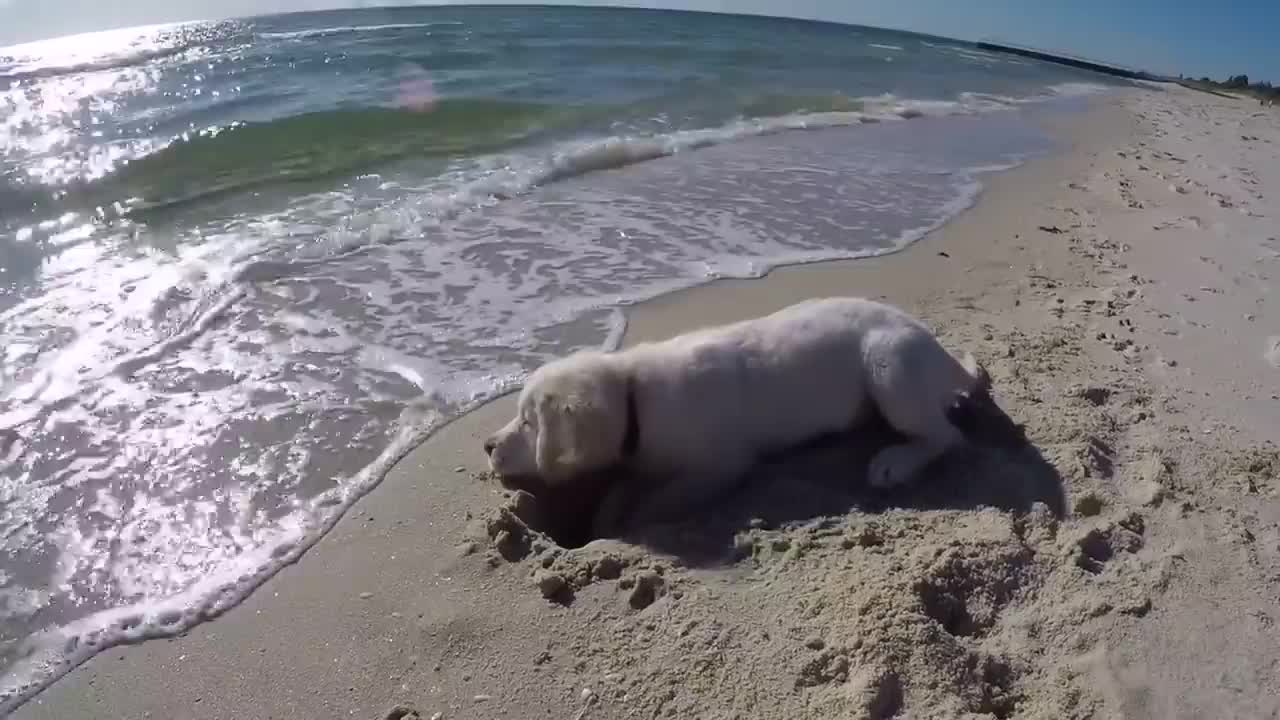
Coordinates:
x,y
892,466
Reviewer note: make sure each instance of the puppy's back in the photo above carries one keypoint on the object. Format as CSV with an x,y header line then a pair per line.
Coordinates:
x,y
762,384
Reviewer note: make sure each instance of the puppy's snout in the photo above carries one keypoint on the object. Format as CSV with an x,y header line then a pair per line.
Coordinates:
x,y
489,446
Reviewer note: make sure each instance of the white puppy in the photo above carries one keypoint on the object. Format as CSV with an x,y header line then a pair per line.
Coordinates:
x,y
691,414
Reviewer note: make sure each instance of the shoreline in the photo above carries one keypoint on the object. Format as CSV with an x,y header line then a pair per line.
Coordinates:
x,y
409,601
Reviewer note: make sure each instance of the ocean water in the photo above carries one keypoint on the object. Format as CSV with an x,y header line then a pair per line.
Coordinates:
x,y
246,265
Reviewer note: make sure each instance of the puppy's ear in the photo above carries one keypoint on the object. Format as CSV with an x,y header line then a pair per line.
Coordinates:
x,y
983,422
580,431
554,447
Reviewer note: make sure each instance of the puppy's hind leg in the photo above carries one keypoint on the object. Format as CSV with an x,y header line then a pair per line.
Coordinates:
x,y
911,409
901,463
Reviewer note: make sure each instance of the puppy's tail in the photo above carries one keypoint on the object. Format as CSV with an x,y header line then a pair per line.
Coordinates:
x,y
981,379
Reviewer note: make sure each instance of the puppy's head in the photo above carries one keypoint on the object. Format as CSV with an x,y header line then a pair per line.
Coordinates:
x,y
983,422
571,420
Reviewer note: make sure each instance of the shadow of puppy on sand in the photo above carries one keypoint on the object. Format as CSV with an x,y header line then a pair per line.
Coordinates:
x,y
998,468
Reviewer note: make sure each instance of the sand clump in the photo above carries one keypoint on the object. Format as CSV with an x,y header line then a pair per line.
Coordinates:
x,y
513,534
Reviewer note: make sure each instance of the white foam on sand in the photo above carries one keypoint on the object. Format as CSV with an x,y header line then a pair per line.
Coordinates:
x,y
55,651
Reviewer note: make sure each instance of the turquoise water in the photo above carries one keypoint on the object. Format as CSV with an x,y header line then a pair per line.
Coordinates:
x,y
245,265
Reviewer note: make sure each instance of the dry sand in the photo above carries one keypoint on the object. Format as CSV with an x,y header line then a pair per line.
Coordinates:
x,y
1125,564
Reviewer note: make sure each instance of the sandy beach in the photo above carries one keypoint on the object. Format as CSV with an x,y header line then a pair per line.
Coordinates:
x,y
1124,564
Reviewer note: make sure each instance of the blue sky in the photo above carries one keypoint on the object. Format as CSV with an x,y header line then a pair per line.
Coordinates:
x,y
1196,38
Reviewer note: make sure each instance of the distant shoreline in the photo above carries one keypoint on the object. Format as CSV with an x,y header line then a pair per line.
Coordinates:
x,y
1081,63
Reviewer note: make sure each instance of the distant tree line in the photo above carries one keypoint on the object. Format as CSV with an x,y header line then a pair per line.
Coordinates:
x,y
1240,83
